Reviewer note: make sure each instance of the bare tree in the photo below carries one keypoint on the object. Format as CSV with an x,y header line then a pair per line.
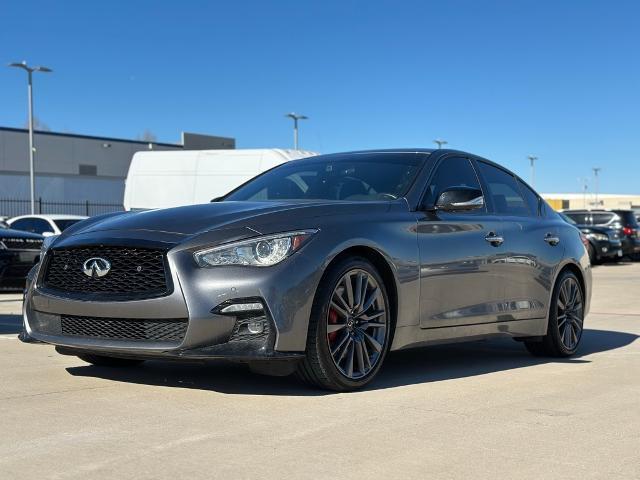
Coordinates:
x,y
148,136
38,125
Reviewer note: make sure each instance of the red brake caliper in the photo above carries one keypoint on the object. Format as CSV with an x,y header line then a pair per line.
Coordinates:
x,y
333,318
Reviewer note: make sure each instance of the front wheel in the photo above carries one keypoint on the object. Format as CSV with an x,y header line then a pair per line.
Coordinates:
x,y
566,320
349,329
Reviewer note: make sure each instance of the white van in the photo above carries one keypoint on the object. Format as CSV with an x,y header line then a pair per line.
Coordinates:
x,y
170,179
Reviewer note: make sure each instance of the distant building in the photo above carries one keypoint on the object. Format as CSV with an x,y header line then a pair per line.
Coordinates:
x,y
79,168
564,201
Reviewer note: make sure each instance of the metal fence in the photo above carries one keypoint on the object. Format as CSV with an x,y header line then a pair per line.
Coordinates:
x,y
12,207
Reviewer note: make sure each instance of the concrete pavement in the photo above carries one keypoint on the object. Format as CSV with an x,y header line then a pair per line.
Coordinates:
x,y
480,410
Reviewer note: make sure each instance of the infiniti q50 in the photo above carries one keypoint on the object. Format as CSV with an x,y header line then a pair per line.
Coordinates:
x,y
319,267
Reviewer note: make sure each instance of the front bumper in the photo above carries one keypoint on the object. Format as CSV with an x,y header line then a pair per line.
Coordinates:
x,y
284,290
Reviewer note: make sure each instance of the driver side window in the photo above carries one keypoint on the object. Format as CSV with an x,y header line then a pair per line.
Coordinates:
x,y
452,172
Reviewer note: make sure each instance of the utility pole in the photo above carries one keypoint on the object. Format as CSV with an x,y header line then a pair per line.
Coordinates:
x,y
596,186
30,70
532,159
295,117
440,142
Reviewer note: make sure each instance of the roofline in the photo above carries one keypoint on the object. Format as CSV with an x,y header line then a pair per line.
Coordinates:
x,y
89,137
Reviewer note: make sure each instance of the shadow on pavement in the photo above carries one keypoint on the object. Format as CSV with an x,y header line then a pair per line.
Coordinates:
x,y
423,365
10,324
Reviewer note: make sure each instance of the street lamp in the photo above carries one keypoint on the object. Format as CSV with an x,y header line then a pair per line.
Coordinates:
x,y
30,71
295,118
532,159
440,142
596,172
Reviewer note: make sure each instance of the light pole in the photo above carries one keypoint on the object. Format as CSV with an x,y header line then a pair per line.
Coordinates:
x,y
440,142
295,118
585,186
30,71
532,159
596,171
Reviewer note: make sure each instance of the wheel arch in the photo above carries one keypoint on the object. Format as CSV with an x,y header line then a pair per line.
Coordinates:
x,y
384,268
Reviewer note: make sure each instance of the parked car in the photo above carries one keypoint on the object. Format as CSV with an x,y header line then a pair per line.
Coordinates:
x,y
19,252
602,243
319,266
44,224
621,220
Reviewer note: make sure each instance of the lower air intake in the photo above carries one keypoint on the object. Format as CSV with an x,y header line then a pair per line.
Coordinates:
x,y
124,329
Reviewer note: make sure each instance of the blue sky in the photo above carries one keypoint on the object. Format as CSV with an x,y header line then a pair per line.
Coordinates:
x,y
503,79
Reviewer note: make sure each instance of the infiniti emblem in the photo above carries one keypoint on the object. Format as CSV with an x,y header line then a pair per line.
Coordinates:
x,y
96,267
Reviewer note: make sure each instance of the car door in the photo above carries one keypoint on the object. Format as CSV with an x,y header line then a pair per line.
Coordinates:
x,y
532,246
460,282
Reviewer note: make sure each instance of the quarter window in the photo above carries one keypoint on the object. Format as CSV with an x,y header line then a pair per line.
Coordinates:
x,y
504,191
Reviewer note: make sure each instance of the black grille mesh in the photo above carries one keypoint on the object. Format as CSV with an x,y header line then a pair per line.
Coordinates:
x,y
124,329
134,271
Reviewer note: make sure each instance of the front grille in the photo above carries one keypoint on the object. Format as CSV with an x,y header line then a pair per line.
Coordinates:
x,y
22,243
124,329
135,272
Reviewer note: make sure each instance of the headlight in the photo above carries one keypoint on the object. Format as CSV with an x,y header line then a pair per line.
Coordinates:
x,y
601,237
259,252
46,243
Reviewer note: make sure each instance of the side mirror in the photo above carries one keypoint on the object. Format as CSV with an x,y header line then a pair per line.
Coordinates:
x,y
457,199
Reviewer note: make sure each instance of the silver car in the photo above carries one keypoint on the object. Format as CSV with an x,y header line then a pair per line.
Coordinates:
x,y
319,266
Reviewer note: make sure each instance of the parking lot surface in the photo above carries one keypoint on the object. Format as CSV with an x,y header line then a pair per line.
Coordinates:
x,y
479,410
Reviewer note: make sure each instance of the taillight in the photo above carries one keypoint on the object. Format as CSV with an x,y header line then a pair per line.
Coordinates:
x,y
628,231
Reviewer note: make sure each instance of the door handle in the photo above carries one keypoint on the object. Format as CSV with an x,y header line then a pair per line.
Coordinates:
x,y
551,239
494,239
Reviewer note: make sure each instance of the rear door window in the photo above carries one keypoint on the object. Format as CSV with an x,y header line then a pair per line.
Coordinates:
x,y
602,218
531,197
504,191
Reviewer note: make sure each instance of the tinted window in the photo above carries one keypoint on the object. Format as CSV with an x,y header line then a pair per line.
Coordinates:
x,y
452,172
531,197
602,218
579,218
24,224
40,226
336,177
504,191
64,224
628,218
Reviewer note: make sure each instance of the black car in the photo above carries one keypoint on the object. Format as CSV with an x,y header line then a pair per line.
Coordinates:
x,y
631,230
19,251
622,221
602,243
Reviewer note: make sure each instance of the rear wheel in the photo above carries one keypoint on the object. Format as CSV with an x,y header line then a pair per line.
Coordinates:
x,y
102,361
349,328
566,319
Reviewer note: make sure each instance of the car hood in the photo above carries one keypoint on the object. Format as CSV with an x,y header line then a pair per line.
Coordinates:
x,y
11,233
193,220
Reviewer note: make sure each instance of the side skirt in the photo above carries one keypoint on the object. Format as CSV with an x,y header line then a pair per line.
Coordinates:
x,y
414,336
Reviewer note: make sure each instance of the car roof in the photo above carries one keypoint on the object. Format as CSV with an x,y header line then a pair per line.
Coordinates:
x,y
52,216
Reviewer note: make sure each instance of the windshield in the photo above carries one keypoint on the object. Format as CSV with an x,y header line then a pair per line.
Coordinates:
x,y
354,177
64,224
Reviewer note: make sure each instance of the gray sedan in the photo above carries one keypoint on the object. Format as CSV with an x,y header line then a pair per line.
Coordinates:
x,y
319,266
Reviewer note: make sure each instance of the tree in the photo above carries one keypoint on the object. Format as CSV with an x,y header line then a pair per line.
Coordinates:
x,y
148,136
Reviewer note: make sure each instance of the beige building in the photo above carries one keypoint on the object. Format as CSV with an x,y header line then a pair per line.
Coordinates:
x,y
564,201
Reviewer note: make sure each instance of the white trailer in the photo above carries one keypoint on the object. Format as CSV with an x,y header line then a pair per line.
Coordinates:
x,y
170,179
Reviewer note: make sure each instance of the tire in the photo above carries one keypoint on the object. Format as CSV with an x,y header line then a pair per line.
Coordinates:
x,y
347,347
558,341
593,256
102,361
